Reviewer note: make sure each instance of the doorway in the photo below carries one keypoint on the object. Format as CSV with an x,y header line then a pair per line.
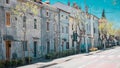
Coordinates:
x,y
8,49
35,48
48,47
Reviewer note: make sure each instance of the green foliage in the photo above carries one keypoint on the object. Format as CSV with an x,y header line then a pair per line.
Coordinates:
x,y
28,59
14,63
51,55
2,64
19,62
8,63
55,55
107,27
25,7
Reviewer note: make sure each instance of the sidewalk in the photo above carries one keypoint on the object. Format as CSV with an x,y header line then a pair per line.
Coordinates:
x,y
42,63
46,63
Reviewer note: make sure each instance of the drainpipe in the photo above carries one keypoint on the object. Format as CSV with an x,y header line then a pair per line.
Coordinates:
x,y
24,31
86,39
92,39
59,29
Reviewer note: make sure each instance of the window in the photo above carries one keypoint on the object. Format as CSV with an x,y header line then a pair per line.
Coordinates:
x,y
87,27
16,18
72,26
48,46
62,29
66,17
7,1
72,43
94,30
24,18
35,23
35,48
47,13
47,26
66,29
7,19
24,45
24,21
67,45
54,44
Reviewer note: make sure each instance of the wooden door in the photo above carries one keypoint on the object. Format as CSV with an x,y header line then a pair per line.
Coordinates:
x,y
8,47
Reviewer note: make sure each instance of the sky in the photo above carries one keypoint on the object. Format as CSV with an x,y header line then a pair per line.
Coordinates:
x,y
95,7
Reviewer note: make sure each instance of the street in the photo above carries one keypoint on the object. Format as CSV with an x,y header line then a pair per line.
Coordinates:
x,y
109,58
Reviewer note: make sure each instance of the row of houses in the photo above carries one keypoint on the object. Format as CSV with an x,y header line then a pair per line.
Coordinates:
x,y
55,28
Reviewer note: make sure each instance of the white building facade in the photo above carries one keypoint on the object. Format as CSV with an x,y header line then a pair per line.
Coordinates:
x,y
16,30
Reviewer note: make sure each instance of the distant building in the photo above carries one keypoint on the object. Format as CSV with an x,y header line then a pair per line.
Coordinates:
x,y
89,26
64,27
49,29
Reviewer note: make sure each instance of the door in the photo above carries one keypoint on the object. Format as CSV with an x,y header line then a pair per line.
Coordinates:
x,y
35,48
48,46
8,49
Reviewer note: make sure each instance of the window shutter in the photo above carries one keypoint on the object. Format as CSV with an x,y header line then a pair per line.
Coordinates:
x,y
7,19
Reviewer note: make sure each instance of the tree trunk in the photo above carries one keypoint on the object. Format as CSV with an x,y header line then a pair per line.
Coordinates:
x,y
78,45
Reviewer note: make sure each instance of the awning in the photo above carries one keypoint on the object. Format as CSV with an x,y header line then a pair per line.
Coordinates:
x,y
8,37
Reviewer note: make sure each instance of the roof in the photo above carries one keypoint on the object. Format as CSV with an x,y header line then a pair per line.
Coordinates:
x,y
64,7
69,9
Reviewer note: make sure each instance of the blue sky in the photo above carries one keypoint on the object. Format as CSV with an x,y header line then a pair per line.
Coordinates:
x,y
111,7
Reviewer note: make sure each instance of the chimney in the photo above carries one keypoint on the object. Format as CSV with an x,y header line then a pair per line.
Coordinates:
x,y
75,6
68,2
21,0
47,2
38,0
86,9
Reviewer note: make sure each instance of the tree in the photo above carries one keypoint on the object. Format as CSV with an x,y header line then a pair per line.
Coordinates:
x,y
79,29
118,32
22,8
106,30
